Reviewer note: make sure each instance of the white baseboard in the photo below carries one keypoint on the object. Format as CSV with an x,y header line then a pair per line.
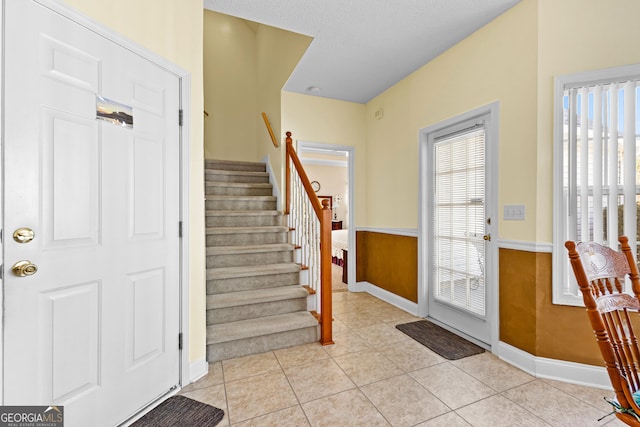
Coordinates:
x,y
197,369
387,296
560,370
273,179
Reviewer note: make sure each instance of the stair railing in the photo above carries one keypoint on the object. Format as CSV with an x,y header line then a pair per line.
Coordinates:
x,y
310,223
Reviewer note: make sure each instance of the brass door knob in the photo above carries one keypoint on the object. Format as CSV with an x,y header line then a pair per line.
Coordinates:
x,y
487,237
24,268
23,235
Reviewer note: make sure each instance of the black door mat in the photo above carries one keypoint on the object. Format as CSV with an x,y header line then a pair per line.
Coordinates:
x,y
445,343
181,411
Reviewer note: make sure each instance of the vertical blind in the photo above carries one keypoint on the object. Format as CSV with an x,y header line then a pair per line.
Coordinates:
x,y
459,220
600,165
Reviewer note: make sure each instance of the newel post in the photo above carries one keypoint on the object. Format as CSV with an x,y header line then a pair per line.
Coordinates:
x,y
326,310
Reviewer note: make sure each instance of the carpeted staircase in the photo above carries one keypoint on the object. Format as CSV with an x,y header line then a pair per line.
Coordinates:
x,y
255,301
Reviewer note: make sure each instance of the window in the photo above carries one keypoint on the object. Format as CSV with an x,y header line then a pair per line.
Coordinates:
x,y
597,168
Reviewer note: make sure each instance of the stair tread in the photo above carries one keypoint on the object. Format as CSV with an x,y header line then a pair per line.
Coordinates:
x,y
238,184
229,250
237,230
252,270
212,171
234,299
231,197
257,327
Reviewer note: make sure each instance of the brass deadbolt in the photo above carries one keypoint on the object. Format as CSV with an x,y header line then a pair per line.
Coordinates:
x,y
23,235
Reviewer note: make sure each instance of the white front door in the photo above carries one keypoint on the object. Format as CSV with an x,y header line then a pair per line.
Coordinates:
x,y
459,228
95,328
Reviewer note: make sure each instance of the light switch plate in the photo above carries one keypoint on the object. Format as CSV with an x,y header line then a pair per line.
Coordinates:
x,y
514,212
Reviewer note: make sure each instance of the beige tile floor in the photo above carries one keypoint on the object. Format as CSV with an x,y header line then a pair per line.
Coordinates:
x,y
375,375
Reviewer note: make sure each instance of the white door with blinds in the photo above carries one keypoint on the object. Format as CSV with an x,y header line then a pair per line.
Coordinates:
x,y
459,228
597,169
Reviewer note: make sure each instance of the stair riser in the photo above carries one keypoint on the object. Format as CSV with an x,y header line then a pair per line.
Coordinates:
x,y
216,190
244,347
253,311
258,258
251,167
246,179
243,221
222,286
240,205
242,239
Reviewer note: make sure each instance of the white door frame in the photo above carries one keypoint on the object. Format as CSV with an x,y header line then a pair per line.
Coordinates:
x,y
351,256
491,211
185,102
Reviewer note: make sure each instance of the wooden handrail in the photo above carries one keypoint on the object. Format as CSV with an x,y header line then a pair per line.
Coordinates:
x,y
323,213
269,129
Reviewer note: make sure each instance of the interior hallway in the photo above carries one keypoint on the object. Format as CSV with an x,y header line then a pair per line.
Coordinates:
x,y
375,375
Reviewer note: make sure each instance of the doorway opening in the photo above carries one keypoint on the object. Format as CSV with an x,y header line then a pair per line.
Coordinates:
x,y
331,169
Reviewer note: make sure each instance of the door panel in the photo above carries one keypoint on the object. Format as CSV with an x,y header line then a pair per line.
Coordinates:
x,y
69,66
96,327
70,167
145,314
147,192
70,322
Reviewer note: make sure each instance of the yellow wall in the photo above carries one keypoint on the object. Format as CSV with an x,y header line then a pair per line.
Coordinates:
x,y
230,84
246,64
173,30
498,62
278,53
323,120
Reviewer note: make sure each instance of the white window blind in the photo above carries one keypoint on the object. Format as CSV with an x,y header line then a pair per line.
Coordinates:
x,y
597,150
459,220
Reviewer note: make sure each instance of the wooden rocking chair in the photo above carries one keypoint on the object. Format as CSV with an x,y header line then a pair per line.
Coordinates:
x,y
600,272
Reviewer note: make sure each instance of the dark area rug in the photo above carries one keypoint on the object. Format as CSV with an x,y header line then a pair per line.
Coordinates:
x,y
446,344
180,411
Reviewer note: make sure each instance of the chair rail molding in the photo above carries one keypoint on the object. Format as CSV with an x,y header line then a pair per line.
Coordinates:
x,y
519,245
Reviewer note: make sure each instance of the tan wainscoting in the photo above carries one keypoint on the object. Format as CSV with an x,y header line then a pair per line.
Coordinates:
x,y
529,320
388,261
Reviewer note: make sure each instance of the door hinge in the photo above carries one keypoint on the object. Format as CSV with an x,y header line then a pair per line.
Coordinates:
x,y
180,229
180,341
180,117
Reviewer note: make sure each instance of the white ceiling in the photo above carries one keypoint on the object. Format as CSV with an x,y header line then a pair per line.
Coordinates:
x,y
363,47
